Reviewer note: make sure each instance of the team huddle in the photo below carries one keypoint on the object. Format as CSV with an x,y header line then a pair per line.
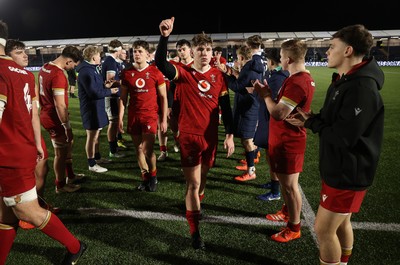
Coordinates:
x,y
191,96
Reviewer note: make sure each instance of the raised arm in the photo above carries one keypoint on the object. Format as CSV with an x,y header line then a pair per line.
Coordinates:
x,y
168,70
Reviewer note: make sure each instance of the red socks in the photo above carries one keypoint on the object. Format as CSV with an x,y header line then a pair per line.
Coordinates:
x,y
60,184
346,253
7,236
193,220
69,171
201,197
294,227
54,228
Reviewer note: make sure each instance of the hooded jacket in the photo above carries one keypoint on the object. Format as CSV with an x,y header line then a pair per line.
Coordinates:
x,y
91,96
275,79
350,127
246,105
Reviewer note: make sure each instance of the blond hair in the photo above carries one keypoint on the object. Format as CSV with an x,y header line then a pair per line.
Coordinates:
x,y
90,51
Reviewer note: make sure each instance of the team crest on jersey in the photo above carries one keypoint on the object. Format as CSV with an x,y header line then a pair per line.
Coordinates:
x,y
212,78
203,85
140,83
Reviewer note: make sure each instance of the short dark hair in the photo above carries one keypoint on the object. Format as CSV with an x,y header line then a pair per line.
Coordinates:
x,y
357,36
114,44
73,53
273,55
141,43
13,45
217,49
183,42
172,53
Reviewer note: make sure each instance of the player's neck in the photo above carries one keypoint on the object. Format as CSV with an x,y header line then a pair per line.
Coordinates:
x,y
59,62
295,68
200,67
115,55
140,66
187,61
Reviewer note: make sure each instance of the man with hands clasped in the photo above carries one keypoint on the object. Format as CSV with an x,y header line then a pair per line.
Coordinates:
x,y
350,128
287,143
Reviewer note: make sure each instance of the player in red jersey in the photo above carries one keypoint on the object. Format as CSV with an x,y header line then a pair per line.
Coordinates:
x,y
184,57
20,148
163,136
202,89
218,59
287,143
145,86
16,50
54,115
184,49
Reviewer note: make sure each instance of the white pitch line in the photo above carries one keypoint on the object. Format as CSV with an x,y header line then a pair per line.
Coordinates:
x,y
388,227
307,212
309,216
175,217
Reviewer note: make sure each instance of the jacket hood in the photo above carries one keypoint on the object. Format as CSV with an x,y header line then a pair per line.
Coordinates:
x,y
372,70
256,64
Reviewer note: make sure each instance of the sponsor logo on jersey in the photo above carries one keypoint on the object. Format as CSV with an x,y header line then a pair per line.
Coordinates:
x,y
17,70
203,85
140,83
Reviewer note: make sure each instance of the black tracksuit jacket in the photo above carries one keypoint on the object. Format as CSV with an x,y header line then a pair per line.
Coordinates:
x,y
350,128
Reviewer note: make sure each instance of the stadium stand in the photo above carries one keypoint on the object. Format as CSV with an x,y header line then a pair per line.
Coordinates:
x,y
387,44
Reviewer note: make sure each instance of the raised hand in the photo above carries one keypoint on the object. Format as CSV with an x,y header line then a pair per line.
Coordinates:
x,y
166,26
